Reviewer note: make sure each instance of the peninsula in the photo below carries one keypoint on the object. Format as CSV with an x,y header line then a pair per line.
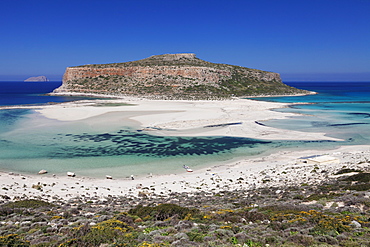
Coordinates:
x,y
173,76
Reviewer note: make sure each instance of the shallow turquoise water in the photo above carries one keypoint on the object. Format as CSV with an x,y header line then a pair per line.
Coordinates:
x,y
341,110
29,142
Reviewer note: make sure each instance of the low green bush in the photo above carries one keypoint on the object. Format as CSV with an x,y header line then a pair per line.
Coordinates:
x,y
13,240
358,187
29,204
162,211
347,170
361,177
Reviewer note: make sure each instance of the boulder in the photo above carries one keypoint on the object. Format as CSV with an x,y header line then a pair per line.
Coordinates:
x,y
43,171
71,174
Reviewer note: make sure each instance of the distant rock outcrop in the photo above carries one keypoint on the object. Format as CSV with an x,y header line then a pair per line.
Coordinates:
x,y
173,76
37,78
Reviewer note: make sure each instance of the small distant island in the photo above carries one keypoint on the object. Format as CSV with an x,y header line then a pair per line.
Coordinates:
x,y
173,76
37,79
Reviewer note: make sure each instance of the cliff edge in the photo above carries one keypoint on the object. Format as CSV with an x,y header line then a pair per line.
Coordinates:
x,y
173,76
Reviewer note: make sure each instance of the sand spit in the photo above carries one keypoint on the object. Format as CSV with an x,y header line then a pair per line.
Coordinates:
x,y
189,118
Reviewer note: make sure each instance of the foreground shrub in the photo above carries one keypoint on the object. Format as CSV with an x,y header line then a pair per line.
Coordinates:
x,y
322,224
29,204
163,211
347,170
358,187
196,236
305,240
109,231
361,177
13,240
146,244
20,206
236,216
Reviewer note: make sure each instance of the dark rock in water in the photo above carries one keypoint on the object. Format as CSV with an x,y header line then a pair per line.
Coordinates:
x,y
37,78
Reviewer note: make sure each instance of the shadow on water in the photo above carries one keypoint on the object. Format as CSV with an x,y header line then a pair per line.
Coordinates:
x,y
127,142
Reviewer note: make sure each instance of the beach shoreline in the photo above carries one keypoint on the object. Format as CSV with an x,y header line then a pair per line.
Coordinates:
x,y
281,169
120,96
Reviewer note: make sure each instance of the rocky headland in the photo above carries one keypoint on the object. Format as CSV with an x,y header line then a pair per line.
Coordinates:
x,y
173,76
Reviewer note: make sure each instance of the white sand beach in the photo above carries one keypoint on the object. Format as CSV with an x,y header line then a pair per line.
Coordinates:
x,y
187,118
279,169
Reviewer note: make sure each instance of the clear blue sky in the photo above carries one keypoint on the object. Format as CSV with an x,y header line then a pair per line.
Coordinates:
x,y
300,39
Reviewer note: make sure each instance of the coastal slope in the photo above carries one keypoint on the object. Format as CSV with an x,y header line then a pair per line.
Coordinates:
x,y
173,76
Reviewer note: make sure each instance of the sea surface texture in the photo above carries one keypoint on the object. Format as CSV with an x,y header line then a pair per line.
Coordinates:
x,y
340,109
30,142
31,93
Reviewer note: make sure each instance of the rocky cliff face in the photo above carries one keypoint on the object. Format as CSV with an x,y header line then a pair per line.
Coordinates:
x,y
173,76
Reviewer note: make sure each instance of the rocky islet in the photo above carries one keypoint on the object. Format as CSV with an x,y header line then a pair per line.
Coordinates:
x,y
173,76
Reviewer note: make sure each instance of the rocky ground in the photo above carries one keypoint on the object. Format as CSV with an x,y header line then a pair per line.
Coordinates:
x,y
331,211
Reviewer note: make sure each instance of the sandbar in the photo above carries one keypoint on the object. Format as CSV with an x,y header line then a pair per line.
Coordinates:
x,y
236,118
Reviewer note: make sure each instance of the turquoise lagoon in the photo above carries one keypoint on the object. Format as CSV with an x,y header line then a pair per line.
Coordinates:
x,y
30,142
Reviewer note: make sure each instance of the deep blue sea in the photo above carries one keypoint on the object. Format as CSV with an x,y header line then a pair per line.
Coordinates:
x,y
30,93
30,142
